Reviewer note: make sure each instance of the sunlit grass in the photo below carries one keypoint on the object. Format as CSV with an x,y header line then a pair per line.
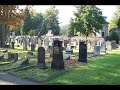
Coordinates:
x,y
101,71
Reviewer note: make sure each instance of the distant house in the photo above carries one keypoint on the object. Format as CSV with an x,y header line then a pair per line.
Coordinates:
x,y
104,31
116,30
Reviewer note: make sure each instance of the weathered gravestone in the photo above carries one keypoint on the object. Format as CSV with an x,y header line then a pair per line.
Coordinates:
x,y
51,51
66,57
39,42
108,45
13,56
41,58
12,45
57,62
96,50
25,43
103,48
69,51
21,62
65,44
113,44
33,44
82,52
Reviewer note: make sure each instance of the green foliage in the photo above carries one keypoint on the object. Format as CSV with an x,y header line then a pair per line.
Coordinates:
x,y
31,33
118,23
114,22
27,22
88,19
114,36
51,19
64,29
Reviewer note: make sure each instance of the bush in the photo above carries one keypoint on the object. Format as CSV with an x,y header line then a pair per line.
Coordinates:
x,y
114,37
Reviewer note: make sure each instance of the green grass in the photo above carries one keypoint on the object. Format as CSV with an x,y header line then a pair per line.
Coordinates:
x,y
101,71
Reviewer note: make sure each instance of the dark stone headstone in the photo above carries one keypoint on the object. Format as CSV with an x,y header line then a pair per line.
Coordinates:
x,y
13,56
41,58
82,52
12,45
66,57
1,57
51,51
57,62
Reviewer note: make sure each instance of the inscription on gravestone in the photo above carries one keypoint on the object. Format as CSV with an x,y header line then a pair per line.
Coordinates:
x,y
57,62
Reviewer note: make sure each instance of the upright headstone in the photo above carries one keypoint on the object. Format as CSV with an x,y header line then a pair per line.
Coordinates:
x,y
32,44
65,44
41,58
108,45
113,44
57,62
39,42
82,52
96,50
24,43
103,48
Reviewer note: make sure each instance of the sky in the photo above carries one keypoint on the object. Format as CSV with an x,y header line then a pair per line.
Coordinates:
x,y
66,11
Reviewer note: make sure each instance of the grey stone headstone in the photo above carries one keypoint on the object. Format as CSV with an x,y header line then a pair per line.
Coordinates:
x,y
39,42
66,57
96,50
113,44
108,45
69,51
103,47
24,43
13,56
57,62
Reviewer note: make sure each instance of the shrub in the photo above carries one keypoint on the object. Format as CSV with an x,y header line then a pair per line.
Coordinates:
x,y
114,36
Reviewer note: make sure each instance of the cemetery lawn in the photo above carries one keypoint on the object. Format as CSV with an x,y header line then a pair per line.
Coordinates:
x,y
104,70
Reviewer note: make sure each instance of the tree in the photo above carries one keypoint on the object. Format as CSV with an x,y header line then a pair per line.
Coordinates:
x,y
71,28
27,21
115,20
10,18
88,19
51,19
31,33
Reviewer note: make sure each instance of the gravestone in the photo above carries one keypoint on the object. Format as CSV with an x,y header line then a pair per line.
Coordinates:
x,y
96,50
65,44
1,57
24,43
12,45
82,52
66,57
51,51
32,44
41,58
103,47
21,62
13,56
113,44
57,62
108,45
69,51
39,42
